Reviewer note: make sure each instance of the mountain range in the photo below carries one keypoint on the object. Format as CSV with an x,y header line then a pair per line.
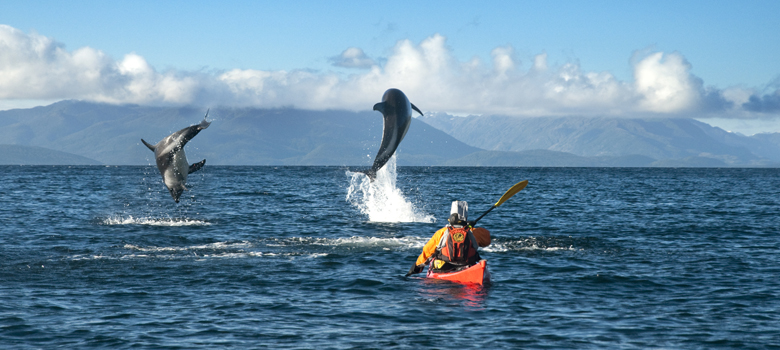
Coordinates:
x,y
667,140
111,134
32,155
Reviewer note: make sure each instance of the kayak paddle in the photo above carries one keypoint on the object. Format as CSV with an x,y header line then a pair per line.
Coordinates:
x,y
509,193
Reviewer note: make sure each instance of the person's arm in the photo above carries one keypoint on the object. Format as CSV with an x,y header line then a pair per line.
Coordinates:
x,y
427,251
430,247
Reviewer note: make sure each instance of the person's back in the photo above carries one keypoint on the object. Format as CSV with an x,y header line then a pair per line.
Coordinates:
x,y
456,249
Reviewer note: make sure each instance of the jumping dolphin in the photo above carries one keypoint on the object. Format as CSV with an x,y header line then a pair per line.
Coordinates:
x,y
397,113
171,160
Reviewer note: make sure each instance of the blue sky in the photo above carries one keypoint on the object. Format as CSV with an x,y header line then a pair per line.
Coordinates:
x,y
716,61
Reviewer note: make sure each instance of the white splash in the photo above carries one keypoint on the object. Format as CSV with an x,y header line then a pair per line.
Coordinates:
x,y
381,200
130,220
367,242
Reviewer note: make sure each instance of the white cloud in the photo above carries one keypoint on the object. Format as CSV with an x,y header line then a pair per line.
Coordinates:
x,y
540,62
34,67
353,57
737,96
503,63
666,84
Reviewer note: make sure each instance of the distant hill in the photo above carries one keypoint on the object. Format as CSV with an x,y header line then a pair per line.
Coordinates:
x,y
31,155
112,135
545,158
678,141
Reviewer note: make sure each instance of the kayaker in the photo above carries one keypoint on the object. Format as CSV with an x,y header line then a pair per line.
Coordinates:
x,y
455,245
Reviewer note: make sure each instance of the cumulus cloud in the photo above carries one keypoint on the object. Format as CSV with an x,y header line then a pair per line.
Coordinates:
x,y
768,103
35,67
714,101
352,57
665,83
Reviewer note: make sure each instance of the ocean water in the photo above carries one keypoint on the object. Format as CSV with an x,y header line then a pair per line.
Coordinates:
x,y
315,257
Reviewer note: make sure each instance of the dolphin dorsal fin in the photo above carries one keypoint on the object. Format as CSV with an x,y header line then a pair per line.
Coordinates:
x,y
148,145
416,109
380,107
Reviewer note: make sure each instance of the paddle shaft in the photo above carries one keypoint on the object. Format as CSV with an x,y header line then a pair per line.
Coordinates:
x,y
483,215
509,193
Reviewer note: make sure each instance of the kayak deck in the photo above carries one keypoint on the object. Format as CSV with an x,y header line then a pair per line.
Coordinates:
x,y
477,274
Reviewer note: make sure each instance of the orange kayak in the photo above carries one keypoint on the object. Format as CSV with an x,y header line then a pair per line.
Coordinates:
x,y
477,274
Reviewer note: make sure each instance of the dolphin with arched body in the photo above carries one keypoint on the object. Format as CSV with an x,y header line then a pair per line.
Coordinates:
x,y
171,160
397,113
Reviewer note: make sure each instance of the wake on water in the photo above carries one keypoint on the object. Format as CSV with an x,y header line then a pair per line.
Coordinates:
x,y
152,221
381,200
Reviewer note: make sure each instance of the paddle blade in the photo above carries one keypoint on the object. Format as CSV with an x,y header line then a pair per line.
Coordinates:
x,y
511,192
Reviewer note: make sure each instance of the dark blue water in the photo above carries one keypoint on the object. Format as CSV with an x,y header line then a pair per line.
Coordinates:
x,y
277,257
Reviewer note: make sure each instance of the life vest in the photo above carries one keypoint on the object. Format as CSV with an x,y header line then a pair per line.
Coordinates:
x,y
458,246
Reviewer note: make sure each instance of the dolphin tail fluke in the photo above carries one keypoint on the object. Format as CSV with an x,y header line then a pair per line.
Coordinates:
x,y
148,145
204,124
371,173
196,166
415,108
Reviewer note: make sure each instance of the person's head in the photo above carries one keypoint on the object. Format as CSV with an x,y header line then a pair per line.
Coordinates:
x,y
459,213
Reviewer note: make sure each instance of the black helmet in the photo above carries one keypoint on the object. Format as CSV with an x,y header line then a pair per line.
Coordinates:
x,y
454,220
459,213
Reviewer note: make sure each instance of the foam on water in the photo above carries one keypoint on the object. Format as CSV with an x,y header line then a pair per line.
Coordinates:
x,y
211,246
229,250
381,200
150,221
197,256
362,242
532,243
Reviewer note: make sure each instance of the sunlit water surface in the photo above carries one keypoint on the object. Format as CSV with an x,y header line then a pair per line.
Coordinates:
x,y
315,257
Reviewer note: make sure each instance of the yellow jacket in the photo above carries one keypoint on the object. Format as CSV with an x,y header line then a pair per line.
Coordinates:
x,y
481,234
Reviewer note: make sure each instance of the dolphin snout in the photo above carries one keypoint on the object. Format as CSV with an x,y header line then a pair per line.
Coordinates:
x,y
176,193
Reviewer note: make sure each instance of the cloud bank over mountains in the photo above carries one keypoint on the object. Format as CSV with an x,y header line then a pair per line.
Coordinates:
x,y
36,67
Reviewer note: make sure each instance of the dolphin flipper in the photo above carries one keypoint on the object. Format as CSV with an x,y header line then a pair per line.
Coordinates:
x,y
416,109
196,166
148,145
